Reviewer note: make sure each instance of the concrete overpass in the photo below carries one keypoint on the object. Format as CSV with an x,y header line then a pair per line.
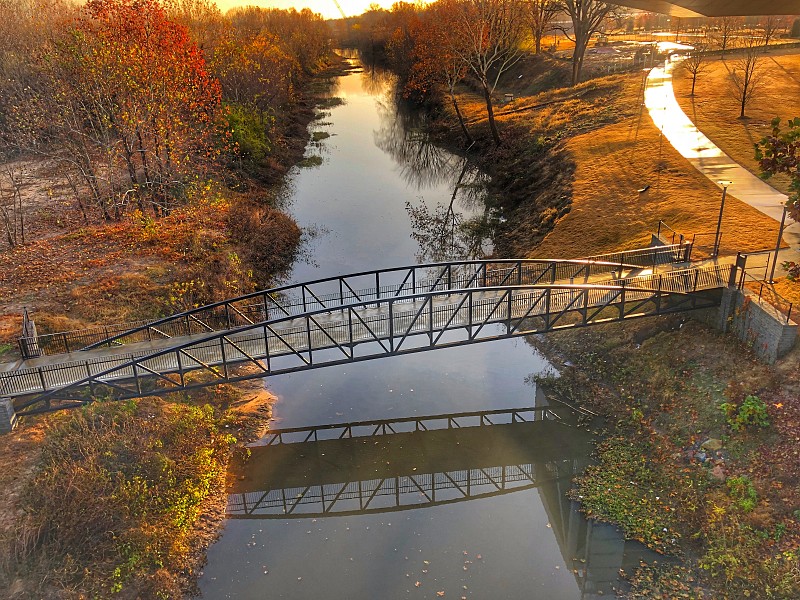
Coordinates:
x,y
716,8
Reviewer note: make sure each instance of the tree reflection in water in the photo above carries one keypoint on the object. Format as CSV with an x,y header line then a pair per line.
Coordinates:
x,y
459,230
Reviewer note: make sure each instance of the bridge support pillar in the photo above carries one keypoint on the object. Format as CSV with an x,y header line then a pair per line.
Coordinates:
x,y
8,417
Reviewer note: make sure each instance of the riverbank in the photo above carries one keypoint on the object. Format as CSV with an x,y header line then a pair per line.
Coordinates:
x,y
171,477
568,176
699,459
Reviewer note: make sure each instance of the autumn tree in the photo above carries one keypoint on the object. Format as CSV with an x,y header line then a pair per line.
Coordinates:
x,y
539,15
491,31
402,48
587,18
746,74
126,101
438,58
696,64
779,152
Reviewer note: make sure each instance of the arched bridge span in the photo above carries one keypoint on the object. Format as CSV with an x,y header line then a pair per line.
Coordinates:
x,y
373,324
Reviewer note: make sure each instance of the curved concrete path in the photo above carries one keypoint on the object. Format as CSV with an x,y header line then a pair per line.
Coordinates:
x,y
706,157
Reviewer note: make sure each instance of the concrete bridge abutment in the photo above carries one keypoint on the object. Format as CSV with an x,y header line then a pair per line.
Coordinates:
x,y
8,416
766,330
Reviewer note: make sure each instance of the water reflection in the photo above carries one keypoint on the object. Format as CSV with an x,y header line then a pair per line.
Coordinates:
x,y
462,228
446,234
384,469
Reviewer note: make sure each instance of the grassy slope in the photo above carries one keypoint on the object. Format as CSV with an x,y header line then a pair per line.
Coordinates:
x,y
716,112
608,212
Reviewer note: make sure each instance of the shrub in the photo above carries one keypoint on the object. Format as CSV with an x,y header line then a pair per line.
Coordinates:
x,y
751,413
118,492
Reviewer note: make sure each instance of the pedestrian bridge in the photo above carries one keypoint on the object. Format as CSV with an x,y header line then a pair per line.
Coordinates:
x,y
354,318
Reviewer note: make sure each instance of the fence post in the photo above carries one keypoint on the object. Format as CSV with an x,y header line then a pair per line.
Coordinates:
x,y
8,416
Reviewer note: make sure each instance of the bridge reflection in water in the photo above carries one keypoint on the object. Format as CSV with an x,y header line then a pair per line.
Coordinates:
x,y
385,466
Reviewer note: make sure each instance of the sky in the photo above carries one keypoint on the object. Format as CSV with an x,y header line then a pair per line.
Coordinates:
x,y
327,8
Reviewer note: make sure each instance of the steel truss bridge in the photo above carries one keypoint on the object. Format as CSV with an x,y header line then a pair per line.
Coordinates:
x,y
401,464
354,318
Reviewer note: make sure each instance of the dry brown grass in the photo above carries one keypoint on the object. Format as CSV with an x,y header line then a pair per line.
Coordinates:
x,y
790,290
614,162
716,112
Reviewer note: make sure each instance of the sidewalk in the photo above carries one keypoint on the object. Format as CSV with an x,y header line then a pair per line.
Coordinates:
x,y
712,162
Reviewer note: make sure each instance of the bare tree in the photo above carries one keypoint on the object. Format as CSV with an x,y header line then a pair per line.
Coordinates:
x,y
696,64
587,19
725,29
539,15
770,27
492,32
746,75
11,208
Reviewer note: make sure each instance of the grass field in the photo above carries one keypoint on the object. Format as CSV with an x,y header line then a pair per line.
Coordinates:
x,y
715,110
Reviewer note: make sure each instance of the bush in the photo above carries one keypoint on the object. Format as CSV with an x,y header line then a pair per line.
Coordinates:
x,y
249,132
752,413
743,493
267,239
118,492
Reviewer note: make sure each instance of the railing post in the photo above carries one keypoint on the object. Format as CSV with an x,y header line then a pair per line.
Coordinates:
x,y
696,278
391,326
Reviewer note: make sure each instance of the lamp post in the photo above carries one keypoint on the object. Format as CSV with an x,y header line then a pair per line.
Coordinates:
x,y
778,245
724,185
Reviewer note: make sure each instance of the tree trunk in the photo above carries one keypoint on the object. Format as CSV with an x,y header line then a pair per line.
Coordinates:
x,y
461,119
489,109
694,81
577,59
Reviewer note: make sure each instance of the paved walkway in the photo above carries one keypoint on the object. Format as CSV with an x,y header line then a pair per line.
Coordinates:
x,y
710,160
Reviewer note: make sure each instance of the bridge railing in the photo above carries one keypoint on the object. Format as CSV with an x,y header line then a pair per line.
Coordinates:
x,y
335,292
428,314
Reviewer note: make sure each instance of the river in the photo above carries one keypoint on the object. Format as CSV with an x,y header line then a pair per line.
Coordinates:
x,y
501,526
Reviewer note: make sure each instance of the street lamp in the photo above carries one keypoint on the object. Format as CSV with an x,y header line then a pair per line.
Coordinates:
x,y
778,244
724,185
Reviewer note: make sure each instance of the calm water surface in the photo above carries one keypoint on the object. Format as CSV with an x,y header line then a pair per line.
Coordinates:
x,y
383,197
